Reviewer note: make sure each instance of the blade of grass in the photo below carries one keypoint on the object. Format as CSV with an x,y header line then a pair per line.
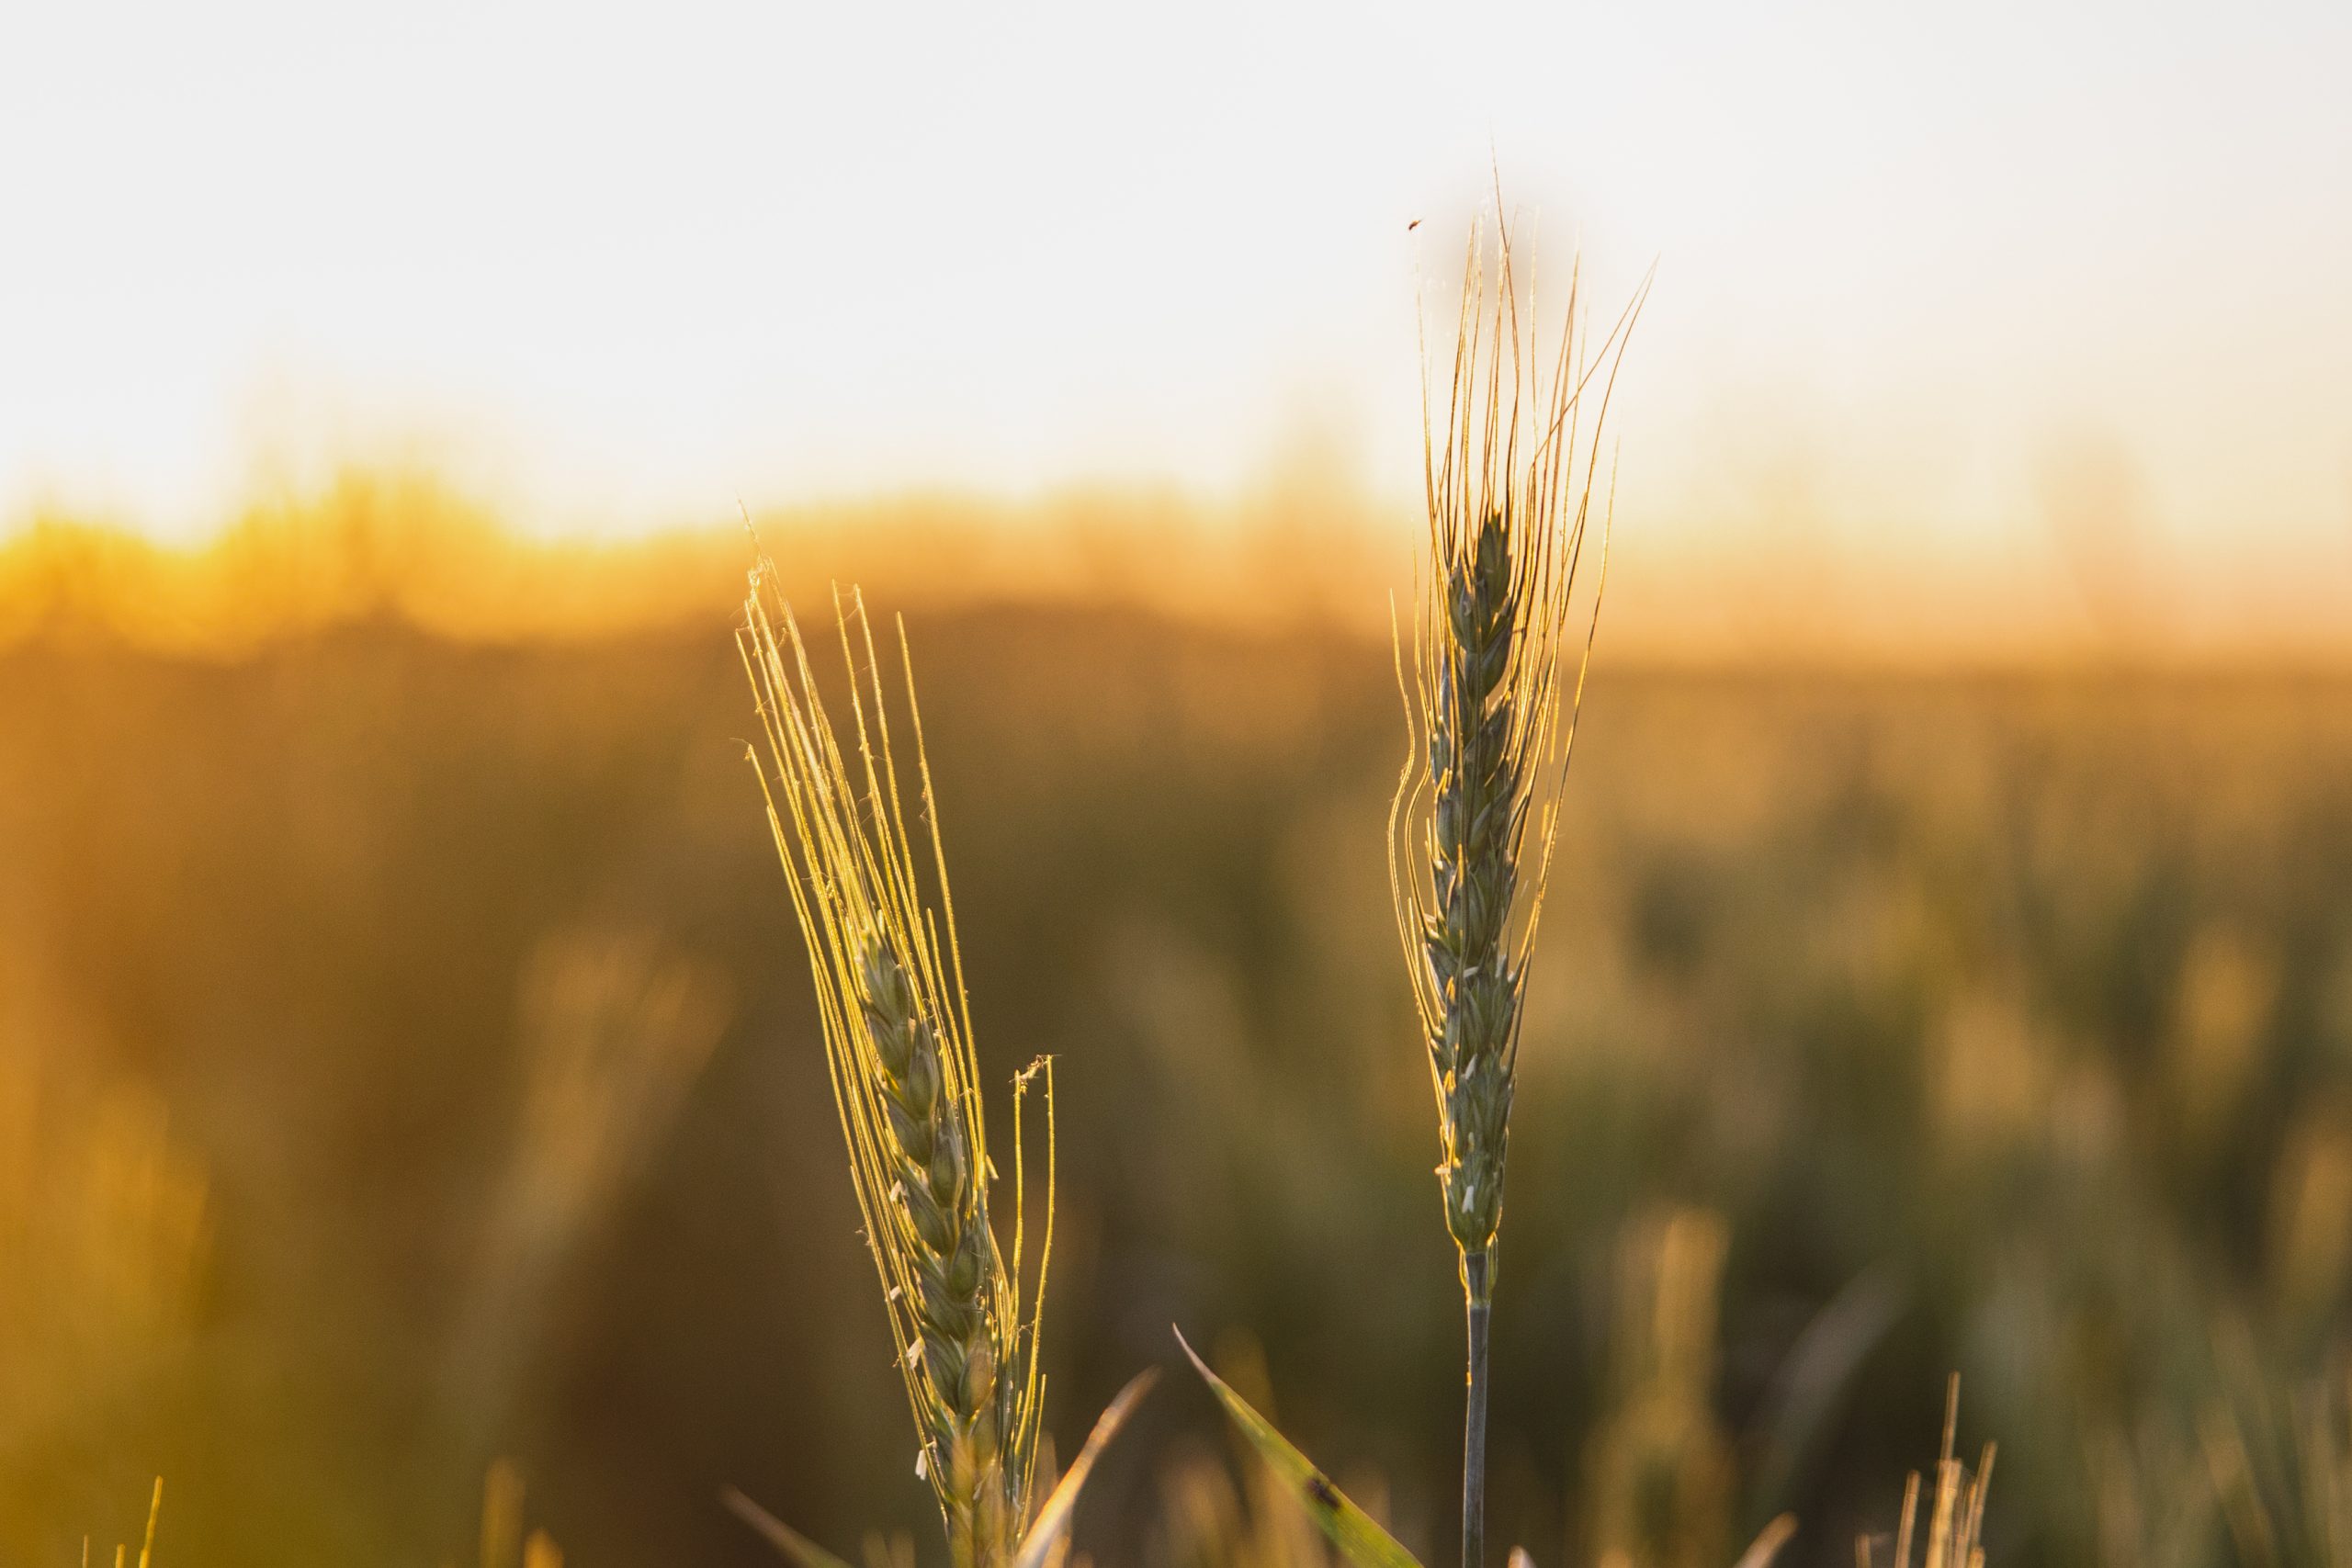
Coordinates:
x,y
1815,1376
1767,1542
790,1543
154,1507
1053,1517
1349,1529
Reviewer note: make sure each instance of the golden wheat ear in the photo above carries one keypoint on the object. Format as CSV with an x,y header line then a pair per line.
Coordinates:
x,y
1360,1539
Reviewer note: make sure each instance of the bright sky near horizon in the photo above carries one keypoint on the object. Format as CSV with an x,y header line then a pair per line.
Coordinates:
x,y
1935,284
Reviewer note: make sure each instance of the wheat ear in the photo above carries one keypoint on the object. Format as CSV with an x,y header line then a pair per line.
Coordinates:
x,y
899,1044
1510,486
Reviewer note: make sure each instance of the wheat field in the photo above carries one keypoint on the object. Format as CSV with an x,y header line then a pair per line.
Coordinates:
x,y
1289,785
406,1069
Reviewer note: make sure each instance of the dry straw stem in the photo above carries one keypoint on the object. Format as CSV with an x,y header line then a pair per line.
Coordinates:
x,y
1511,487
899,1044
1956,1516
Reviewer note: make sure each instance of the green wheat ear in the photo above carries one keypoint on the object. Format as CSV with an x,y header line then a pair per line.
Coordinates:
x,y
906,1080
890,995
1496,678
1495,668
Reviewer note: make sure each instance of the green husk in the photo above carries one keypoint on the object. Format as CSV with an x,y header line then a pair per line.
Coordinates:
x,y
906,1077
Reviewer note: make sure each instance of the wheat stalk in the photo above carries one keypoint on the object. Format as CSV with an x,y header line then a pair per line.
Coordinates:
x,y
1509,485
898,1045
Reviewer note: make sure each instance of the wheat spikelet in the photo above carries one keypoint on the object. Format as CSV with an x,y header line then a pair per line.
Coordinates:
x,y
1509,485
898,1045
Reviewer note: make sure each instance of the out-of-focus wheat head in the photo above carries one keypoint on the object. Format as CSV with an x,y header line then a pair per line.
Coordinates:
x,y
105,1221
1496,674
1659,1465
899,1043
616,1027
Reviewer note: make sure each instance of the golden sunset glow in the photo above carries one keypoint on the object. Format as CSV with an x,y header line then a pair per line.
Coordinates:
x,y
2009,321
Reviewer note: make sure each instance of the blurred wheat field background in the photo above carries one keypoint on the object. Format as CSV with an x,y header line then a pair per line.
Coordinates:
x,y
424,1095
405,1065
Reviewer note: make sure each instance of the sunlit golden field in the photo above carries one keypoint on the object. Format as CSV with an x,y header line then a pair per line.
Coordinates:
x,y
405,1065
538,542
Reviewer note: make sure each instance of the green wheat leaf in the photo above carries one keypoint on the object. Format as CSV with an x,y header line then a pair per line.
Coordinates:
x,y
1350,1529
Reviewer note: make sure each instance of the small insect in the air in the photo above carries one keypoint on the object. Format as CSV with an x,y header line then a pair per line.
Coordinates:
x,y
1413,225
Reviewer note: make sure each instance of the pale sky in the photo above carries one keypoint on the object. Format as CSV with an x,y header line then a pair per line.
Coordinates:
x,y
1929,277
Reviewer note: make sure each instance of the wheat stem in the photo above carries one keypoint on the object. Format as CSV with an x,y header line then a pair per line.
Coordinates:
x,y
1478,1308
